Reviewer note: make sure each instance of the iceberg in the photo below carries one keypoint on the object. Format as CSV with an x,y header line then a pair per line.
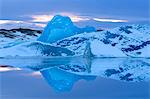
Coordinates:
x,y
61,27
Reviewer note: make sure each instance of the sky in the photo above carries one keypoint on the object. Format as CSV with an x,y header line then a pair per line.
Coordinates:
x,y
98,13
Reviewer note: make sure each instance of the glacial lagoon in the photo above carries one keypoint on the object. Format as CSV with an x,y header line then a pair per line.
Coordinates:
x,y
74,78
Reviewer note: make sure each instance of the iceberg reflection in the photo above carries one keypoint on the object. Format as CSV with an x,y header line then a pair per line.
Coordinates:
x,y
61,80
64,76
62,73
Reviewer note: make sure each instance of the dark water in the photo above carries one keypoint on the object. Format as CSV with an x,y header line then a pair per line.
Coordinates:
x,y
75,78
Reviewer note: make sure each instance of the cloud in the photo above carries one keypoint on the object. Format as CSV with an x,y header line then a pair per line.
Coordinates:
x,y
78,10
46,18
109,20
74,18
40,21
40,25
35,74
78,18
4,69
41,18
10,24
9,21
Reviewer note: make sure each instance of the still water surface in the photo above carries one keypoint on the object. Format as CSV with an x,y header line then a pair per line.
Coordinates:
x,y
75,78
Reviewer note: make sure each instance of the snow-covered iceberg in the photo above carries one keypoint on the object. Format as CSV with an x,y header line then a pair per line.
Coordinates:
x,y
61,27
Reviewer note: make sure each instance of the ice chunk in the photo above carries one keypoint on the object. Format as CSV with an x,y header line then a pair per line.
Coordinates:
x,y
61,27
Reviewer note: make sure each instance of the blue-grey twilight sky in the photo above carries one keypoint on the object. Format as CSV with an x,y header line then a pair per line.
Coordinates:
x,y
105,13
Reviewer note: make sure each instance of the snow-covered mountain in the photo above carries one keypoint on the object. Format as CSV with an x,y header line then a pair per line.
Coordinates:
x,y
133,40
124,41
34,49
17,36
62,38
